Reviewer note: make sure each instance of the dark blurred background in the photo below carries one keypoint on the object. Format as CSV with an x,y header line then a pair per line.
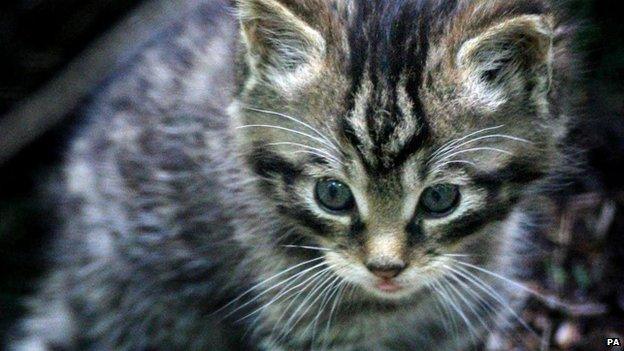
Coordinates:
x,y
38,38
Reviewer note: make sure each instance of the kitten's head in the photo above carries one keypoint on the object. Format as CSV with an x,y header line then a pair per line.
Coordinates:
x,y
390,134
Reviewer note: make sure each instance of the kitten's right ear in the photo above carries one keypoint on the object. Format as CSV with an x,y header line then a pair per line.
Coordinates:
x,y
507,55
282,48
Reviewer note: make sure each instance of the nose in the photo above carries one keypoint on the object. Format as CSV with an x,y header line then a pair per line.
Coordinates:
x,y
386,270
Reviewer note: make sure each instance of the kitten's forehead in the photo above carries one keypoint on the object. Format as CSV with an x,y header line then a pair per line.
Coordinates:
x,y
388,49
385,124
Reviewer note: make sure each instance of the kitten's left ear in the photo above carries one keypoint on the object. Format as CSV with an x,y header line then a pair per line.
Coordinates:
x,y
510,55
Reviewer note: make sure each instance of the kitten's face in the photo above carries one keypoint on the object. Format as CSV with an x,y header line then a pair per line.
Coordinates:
x,y
391,138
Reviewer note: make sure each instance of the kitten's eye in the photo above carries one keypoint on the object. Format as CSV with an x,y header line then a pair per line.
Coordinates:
x,y
333,195
440,200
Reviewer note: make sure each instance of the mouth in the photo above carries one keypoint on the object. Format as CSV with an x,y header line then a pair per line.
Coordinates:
x,y
388,286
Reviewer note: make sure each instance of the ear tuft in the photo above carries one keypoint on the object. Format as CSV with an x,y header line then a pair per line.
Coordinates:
x,y
281,47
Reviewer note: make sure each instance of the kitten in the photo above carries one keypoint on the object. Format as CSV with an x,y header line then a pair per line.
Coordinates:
x,y
312,174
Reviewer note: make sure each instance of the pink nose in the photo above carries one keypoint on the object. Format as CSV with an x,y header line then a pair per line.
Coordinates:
x,y
386,270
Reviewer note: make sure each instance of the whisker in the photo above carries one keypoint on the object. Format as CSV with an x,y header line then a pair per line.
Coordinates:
x,y
477,335
456,162
454,142
439,306
479,283
324,152
454,313
439,167
483,286
446,157
276,298
492,312
470,305
453,303
308,247
290,118
498,136
482,301
474,332
326,298
265,291
314,323
315,153
326,284
265,281
269,126
447,309
503,278
485,137
333,309
294,298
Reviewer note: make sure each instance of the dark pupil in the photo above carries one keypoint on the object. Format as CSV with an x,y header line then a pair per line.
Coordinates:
x,y
436,196
334,195
440,199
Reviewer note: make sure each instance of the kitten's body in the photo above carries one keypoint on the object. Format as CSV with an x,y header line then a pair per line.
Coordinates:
x,y
171,212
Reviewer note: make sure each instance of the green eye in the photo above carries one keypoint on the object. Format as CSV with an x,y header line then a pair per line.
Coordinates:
x,y
334,196
440,200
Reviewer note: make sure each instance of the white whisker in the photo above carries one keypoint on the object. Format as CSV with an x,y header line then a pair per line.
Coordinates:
x,y
503,278
481,300
307,247
293,298
439,167
321,151
477,298
269,126
333,309
279,274
265,291
475,334
485,137
293,119
321,288
458,162
454,142
439,306
315,153
281,294
446,157
314,323
453,303
484,287
326,298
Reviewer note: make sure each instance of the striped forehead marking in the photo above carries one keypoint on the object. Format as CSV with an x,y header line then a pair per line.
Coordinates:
x,y
383,125
388,46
